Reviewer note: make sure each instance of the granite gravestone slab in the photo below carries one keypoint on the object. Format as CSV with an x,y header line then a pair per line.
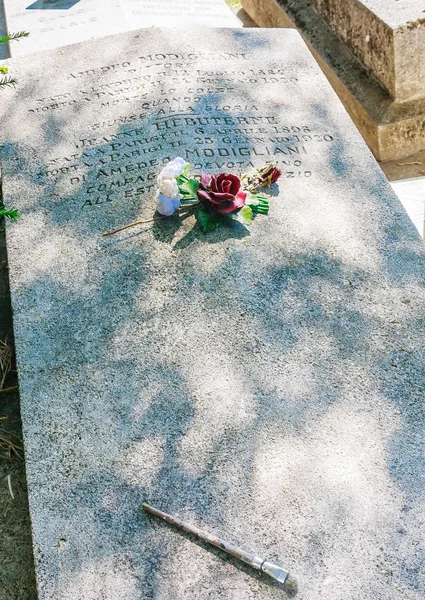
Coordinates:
x,y
266,385
54,23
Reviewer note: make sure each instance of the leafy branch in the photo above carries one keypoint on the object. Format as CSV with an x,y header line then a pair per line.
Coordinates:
x,y
12,214
13,36
10,37
7,81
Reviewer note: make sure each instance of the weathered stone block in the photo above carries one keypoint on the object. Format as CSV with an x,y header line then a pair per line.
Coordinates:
x,y
264,384
391,129
388,37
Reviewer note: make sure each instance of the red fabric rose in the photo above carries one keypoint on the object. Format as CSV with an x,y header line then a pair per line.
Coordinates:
x,y
222,193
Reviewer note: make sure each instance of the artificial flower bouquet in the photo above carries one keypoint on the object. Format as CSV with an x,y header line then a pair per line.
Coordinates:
x,y
215,198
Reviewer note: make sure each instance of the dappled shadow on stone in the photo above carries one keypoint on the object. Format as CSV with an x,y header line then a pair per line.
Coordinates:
x,y
244,382
171,448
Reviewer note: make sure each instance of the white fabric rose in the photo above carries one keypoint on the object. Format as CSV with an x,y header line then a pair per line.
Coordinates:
x,y
167,206
168,187
172,169
167,195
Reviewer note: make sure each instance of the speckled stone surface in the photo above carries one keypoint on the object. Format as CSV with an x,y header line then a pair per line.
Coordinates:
x,y
54,23
266,385
395,13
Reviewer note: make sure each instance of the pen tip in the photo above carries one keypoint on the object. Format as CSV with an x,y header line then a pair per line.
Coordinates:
x,y
291,585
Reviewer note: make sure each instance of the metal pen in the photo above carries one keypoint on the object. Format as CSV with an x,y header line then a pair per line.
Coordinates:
x,y
277,573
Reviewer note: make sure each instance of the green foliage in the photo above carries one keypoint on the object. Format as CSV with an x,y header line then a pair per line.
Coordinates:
x,y
244,215
9,81
12,214
235,5
188,188
258,204
13,36
208,220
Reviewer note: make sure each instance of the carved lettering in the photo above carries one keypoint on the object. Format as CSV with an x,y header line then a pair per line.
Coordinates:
x,y
119,156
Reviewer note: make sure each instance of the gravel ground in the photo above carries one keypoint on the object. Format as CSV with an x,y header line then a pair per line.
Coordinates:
x,y
17,580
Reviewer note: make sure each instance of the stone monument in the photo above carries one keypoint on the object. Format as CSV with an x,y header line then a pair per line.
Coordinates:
x,y
54,23
4,48
373,53
265,383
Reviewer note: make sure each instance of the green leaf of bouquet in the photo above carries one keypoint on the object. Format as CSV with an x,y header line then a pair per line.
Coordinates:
x,y
208,221
4,70
244,216
258,204
189,189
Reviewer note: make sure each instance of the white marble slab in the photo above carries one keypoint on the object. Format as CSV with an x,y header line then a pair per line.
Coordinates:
x,y
411,193
54,23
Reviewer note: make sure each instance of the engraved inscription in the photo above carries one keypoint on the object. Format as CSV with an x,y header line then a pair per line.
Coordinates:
x,y
119,156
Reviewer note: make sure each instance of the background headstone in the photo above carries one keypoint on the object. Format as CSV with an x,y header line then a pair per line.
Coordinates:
x,y
54,23
4,48
363,48
387,37
265,385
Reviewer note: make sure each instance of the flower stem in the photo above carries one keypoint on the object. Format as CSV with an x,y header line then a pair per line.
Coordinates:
x,y
133,224
181,209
